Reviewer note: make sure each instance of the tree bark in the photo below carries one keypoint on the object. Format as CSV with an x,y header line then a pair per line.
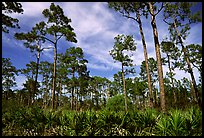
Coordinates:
x,y
46,95
124,89
77,96
60,101
37,66
189,66
193,97
54,74
172,81
146,61
158,56
72,98
57,97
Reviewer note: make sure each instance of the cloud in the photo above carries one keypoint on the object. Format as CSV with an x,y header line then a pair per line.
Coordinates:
x,y
20,80
98,67
8,40
32,9
96,26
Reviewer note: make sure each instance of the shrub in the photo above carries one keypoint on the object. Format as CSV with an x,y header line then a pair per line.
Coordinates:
x,y
117,103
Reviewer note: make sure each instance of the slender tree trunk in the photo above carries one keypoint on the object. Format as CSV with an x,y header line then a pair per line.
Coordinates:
x,y
124,89
158,56
108,91
172,81
96,96
72,98
146,60
60,101
154,97
143,97
193,97
91,100
77,96
189,66
54,75
57,98
37,66
46,96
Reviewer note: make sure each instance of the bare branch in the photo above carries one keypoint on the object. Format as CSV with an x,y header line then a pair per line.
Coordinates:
x,y
46,48
167,22
47,39
160,9
35,55
59,36
129,16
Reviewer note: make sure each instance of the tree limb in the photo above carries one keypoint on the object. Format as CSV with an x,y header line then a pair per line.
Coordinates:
x,y
46,39
167,22
59,37
160,9
129,16
46,48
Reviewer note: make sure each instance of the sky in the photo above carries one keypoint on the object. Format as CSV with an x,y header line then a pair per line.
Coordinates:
x,y
95,26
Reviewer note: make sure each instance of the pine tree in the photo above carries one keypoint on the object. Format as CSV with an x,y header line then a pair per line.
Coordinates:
x,y
137,9
122,44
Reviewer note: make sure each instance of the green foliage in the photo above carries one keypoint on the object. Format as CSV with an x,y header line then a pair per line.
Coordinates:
x,y
36,121
182,15
152,69
123,43
60,23
117,103
8,75
7,21
127,9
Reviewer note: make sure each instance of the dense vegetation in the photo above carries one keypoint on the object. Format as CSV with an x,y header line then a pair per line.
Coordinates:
x,y
69,102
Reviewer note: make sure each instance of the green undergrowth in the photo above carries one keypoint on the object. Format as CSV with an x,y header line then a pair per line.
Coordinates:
x,y
40,122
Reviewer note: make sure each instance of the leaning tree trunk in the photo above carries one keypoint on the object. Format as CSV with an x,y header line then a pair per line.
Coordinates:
x,y
158,56
54,75
193,97
124,89
172,81
146,61
189,66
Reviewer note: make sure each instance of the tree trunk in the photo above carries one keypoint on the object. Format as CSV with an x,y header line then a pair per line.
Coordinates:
x,y
60,101
54,76
146,60
77,96
72,98
124,89
193,97
158,56
172,81
37,66
46,95
108,91
57,97
189,66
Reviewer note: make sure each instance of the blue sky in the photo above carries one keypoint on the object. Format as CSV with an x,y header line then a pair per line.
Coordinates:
x,y
95,26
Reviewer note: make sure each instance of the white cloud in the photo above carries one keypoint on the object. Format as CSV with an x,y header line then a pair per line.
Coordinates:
x,y
98,67
33,9
20,80
96,26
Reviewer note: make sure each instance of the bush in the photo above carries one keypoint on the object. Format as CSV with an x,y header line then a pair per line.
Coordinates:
x,y
117,103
